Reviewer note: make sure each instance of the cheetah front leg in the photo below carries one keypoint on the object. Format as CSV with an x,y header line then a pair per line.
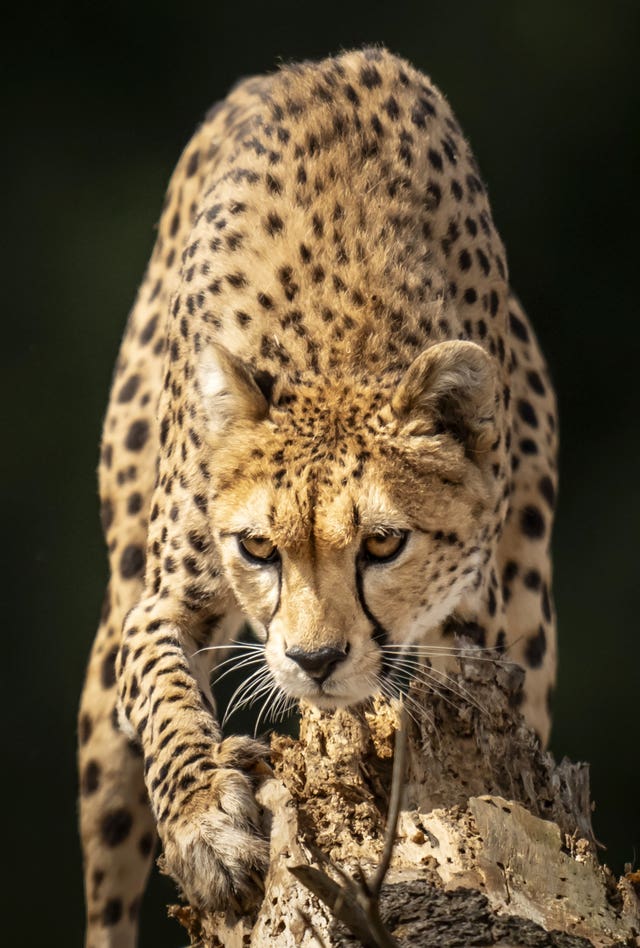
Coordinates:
x,y
201,787
117,827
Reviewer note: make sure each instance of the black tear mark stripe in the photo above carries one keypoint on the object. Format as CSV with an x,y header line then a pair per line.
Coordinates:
x,y
278,601
380,635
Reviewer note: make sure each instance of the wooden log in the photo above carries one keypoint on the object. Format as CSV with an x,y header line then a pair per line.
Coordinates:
x,y
494,844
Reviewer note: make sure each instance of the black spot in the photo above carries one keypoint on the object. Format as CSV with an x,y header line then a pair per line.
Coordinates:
x,y
532,579
535,648
548,491
391,108
532,522
527,413
491,602
131,561
536,383
273,224
116,826
108,668
134,503
112,912
129,389
164,430
85,728
106,514
527,446
518,328
435,159
192,165
137,435
90,780
351,94
470,296
370,77
145,844
433,196
483,260
464,259
147,333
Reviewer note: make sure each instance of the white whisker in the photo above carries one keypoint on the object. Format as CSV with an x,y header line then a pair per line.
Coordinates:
x,y
229,645
426,675
245,663
443,651
264,707
236,700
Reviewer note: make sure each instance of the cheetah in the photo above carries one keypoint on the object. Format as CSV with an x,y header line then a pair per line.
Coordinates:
x,y
330,418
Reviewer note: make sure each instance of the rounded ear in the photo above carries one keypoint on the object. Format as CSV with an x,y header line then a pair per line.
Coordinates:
x,y
230,393
449,387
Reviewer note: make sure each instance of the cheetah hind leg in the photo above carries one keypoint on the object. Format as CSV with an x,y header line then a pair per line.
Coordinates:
x,y
117,827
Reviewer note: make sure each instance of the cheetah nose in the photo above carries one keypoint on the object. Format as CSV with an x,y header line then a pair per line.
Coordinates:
x,y
318,664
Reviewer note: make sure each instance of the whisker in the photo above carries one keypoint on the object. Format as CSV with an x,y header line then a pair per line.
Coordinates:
x,y
420,672
283,704
265,705
287,708
229,645
245,663
387,688
465,652
253,681
454,685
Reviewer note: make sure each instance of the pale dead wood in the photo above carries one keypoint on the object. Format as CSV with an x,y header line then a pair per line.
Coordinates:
x,y
493,843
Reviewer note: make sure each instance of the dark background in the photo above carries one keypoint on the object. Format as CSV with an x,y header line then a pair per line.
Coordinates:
x,y
101,101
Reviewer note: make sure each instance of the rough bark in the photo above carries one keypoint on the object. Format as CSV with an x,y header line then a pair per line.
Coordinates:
x,y
494,844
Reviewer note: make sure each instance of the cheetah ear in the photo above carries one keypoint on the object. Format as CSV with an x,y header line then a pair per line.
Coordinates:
x,y
450,387
230,393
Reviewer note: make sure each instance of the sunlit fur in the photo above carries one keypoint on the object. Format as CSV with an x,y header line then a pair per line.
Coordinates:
x,y
436,487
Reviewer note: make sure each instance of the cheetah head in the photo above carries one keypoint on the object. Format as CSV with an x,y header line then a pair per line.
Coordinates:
x,y
351,516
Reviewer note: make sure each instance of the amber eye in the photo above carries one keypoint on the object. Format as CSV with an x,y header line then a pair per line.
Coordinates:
x,y
380,547
258,549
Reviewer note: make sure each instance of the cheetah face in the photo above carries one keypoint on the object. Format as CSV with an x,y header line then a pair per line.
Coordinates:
x,y
348,534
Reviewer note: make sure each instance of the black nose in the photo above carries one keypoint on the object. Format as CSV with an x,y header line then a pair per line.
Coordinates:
x,y
319,664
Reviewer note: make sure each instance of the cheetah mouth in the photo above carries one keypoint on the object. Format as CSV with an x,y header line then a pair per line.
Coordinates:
x,y
324,697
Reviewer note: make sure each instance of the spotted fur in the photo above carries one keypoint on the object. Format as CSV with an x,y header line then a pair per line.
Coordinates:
x,y
324,349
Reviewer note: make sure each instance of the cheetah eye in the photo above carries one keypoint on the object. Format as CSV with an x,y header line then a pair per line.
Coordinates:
x,y
258,549
384,547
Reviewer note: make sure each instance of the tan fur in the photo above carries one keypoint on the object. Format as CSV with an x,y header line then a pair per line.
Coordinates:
x,y
324,348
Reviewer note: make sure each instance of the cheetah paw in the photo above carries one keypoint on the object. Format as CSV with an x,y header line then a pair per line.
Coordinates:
x,y
215,851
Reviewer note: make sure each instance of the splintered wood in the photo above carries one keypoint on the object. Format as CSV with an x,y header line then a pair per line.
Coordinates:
x,y
494,844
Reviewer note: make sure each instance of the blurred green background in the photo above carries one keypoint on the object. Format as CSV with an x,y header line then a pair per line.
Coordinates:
x,y
100,101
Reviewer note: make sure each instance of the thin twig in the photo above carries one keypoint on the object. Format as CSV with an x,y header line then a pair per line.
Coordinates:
x,y
395,804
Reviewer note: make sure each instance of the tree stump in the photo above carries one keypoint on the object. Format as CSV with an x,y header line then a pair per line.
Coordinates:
x,y
494,844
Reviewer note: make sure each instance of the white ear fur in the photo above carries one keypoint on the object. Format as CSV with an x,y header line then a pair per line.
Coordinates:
x,y
228,391
453,384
